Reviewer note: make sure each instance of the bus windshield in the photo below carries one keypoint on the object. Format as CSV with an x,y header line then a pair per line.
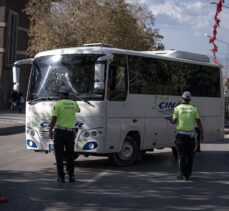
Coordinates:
x,y
76,71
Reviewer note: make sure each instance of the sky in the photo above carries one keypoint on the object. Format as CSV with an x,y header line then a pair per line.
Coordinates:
x,y
184,23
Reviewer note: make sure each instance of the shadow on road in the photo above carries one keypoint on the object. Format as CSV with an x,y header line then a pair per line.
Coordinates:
x,y
150,184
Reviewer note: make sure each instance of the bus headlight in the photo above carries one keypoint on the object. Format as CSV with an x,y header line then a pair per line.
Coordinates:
x,y
31,143
32,133
90,145
94,133
86,134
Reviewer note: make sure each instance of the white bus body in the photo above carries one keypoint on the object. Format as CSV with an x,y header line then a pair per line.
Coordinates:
x,y
128,98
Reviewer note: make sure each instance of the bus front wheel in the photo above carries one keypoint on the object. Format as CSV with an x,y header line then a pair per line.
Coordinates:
x,y
128,153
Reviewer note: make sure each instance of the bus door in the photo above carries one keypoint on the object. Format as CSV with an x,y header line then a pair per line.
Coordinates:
x,y
116,101
159,129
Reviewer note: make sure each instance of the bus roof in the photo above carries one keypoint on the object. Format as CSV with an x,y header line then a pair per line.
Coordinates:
x,y
182,55
99,48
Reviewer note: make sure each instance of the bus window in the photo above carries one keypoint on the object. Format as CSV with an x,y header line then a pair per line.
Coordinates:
x,y
117,82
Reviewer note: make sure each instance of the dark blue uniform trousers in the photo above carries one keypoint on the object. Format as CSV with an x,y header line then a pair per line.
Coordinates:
x,y
185,146
64,139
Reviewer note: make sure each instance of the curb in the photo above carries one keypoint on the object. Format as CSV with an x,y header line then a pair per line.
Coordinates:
x,y
12,130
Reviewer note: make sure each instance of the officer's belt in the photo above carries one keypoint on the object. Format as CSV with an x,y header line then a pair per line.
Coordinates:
x,y
68,129
191,133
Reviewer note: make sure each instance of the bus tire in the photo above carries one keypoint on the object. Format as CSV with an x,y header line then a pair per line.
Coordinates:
x,y
128,154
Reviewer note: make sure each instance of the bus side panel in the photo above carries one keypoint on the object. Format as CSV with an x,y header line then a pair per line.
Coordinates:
x,y
139,113
152,131
158,135
118,128
211,112
213,129
113,135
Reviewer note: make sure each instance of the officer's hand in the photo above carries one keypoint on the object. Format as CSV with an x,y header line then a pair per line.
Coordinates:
x,y
51,134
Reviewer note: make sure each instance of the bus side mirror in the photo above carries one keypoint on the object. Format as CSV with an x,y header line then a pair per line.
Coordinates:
x,y
16,74
99,86
99,77
99,72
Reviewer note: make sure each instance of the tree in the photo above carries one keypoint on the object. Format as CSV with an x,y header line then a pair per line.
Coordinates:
x,y
69,23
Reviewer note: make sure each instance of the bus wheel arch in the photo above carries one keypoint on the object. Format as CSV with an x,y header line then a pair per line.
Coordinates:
x,y
129,150
136,137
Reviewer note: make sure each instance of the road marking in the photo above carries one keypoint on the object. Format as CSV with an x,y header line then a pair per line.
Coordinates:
x,y
89,182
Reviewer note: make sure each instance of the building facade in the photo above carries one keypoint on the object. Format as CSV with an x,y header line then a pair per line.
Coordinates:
x,y
14,26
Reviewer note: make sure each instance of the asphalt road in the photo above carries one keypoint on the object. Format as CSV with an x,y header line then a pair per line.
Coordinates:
x,y
28,180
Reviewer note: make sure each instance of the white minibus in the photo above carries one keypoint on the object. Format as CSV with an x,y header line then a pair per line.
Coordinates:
x,y
126,98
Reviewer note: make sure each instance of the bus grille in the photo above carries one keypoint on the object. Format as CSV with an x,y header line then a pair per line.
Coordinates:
x,y
44,134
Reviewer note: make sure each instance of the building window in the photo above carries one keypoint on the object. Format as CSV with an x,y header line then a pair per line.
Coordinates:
x,y
12,38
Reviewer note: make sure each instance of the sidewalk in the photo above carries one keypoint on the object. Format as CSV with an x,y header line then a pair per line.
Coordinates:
x,y
11,122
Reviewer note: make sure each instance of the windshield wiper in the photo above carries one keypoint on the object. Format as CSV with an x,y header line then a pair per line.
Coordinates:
x,y
79,98
39,99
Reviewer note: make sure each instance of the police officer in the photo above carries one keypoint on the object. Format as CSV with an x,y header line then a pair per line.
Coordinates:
x,y
185,116
63,118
